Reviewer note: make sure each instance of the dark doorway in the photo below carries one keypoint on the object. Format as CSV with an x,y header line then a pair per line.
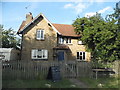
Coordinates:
x,y
60,56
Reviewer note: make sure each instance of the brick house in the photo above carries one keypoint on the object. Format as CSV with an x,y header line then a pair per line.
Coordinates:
x,y
46,41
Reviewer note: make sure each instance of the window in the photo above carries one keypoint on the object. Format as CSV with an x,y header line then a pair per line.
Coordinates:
x,y
61,40
39,54
79,42
81,56
68,40
40,34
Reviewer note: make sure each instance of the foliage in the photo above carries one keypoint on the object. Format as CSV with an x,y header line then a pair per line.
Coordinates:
x,y
100,36
9,39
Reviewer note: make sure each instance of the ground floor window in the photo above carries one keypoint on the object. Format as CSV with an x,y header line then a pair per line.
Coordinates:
x,y
39,54
81,56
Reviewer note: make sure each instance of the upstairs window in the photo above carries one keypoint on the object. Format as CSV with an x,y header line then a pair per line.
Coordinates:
x,y
40,34
81,56
39,54
61,40
68,40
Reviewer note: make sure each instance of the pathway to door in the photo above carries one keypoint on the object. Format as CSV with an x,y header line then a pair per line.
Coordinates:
x,y
78,83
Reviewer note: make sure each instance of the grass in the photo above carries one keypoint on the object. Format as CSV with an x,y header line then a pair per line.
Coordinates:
x,y
65,83
108,82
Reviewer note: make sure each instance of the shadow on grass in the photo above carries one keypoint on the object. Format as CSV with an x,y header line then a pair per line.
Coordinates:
x,y
65,83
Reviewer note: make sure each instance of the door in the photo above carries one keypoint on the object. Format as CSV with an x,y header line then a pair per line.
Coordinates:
x,y
60,56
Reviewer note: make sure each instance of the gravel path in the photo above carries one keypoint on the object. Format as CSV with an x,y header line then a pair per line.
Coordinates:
x,y
78,83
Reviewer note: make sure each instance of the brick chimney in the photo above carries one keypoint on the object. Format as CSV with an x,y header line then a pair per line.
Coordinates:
x,y
29,18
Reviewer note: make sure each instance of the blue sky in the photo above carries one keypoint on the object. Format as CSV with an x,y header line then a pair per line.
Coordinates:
x,y
13,13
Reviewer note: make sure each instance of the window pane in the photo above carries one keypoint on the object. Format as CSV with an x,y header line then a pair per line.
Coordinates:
x,y
69,40
66,40
77,55
33,54
39,54
61,40
80,53
38,34
80,57
41,34
45,54
84,55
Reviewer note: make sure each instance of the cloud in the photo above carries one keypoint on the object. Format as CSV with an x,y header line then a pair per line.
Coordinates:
x,y
80,7
68,5
77,6
90,14
104,10
100,11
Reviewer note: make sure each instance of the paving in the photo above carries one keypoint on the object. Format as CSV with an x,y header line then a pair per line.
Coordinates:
x,y
78,83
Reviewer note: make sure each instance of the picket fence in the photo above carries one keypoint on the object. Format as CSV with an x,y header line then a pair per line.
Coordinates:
x,y
39,70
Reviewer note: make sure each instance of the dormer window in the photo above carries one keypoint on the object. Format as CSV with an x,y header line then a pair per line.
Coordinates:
x,y
40,34
61,40
68,40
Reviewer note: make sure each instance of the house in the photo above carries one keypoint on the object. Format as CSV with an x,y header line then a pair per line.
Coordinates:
x,y
9,54
46,41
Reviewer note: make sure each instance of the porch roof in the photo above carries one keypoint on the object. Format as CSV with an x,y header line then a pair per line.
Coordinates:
x,y
61,47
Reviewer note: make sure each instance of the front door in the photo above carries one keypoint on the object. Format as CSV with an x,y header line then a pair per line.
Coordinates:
x,y
60,56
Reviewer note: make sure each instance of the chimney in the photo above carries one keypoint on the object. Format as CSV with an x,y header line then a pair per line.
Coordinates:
x,y
29,18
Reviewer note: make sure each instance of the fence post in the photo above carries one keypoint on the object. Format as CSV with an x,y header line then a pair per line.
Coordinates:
x,y
77,70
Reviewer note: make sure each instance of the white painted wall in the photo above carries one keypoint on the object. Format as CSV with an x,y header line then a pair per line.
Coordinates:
x,y
10,54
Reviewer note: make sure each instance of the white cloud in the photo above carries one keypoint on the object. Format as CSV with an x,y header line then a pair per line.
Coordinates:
x,y
104,10
68,5
77,6
90,14
80,7
100,11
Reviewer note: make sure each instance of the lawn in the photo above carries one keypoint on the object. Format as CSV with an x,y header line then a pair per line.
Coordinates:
x,y
65,83
110,82
106,82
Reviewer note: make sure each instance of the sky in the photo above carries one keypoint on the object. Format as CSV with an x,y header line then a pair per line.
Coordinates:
x,y
63,12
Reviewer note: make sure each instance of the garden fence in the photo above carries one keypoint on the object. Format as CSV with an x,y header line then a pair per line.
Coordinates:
x,y
34,70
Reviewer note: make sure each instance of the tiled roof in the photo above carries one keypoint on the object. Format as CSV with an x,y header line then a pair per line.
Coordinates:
x,y
22,26
61,47
65,30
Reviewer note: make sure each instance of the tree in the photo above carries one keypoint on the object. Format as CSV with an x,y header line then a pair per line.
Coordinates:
x,y
100,37
9,39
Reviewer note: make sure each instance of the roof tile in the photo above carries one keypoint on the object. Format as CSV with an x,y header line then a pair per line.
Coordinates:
x,y
65,30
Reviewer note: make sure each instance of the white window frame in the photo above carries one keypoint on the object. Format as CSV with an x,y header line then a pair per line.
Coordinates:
x,y
61,40
81,53
40,34
39,54
68,41
80,42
